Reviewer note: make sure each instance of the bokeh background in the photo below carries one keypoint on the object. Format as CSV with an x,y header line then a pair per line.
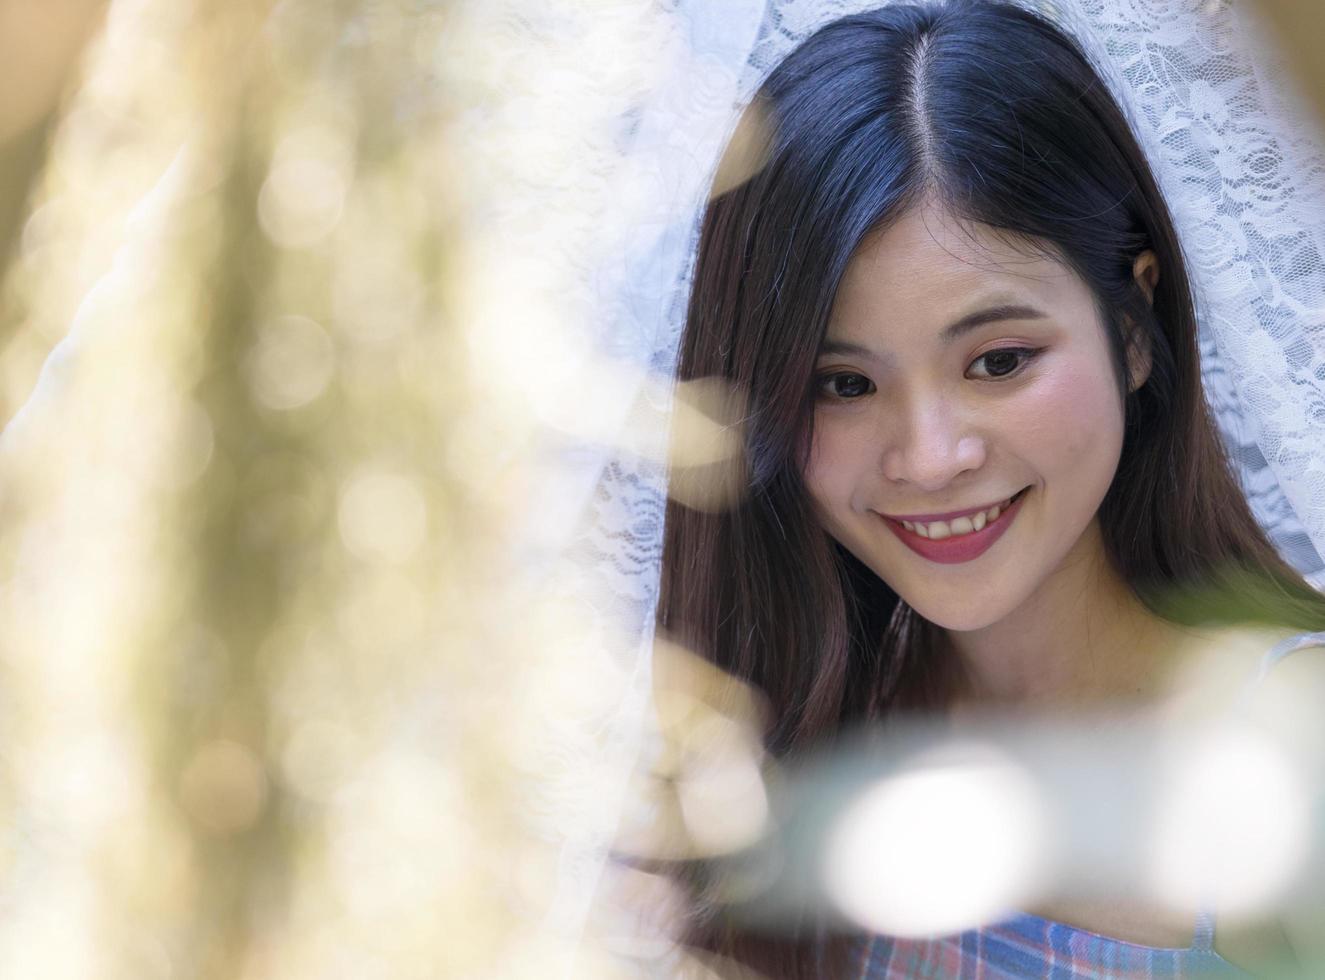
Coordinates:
x,y
298,360
287,299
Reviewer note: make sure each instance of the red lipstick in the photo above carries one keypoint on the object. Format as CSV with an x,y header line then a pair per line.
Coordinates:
x,y
963,547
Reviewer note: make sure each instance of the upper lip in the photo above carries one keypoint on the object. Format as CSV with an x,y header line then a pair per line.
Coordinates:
x,y
950,515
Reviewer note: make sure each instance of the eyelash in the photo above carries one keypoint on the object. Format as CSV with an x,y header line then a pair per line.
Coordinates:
x,y
1024,354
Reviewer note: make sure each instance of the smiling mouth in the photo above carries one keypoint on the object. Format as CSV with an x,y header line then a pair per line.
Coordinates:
x,y
959,526
962,539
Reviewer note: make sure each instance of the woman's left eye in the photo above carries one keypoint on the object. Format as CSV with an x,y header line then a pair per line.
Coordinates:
x,y
844,386
1004,362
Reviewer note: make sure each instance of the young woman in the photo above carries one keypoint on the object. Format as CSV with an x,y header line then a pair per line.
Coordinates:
x,y
978,461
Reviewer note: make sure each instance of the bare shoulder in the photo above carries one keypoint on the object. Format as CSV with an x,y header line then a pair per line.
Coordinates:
x,y
1289,703
1212,670
1288,698
1283,697
1301,667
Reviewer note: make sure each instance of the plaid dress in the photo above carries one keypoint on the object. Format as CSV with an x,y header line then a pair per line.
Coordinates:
x,y
1027,946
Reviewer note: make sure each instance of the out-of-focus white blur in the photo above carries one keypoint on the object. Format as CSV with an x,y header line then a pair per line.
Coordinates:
x,y
939,847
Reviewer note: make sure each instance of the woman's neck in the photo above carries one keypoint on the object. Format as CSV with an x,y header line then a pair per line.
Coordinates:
x,y
1083,639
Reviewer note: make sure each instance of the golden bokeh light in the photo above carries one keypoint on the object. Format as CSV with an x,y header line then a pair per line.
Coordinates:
x,y
298,294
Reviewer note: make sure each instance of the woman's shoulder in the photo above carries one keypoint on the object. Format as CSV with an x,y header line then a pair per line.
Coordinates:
x,y
1233,667
1284,699
1272,681
1292,642
1271,678
1288,669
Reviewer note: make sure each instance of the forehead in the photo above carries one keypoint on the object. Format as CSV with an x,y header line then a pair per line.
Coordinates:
x,y
929,268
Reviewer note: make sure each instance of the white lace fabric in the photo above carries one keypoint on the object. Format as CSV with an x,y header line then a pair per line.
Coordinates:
x,y
1237,156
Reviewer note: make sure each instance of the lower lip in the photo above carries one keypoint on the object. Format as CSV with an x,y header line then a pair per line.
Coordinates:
x,y
964,547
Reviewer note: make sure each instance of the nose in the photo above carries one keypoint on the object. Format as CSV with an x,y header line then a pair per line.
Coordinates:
x,y
933,445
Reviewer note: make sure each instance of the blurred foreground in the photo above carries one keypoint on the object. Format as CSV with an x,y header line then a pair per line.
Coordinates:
x,y
286,293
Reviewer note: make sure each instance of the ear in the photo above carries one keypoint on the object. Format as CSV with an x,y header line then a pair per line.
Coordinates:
x,y
1145,270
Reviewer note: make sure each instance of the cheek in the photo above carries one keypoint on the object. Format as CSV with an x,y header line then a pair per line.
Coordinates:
x,y
1074,420
829,475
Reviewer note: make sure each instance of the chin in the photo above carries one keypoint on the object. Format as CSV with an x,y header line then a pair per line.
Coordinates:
x,y
960,619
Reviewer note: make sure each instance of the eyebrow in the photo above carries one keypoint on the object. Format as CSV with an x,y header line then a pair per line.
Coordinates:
x,y
978,318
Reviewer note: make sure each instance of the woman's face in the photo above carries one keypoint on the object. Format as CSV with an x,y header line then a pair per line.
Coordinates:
x,y
956,373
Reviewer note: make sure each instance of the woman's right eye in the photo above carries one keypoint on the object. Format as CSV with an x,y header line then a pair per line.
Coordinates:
x,y
845,385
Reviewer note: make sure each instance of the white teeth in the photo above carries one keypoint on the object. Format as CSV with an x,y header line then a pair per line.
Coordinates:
x,y
938,530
